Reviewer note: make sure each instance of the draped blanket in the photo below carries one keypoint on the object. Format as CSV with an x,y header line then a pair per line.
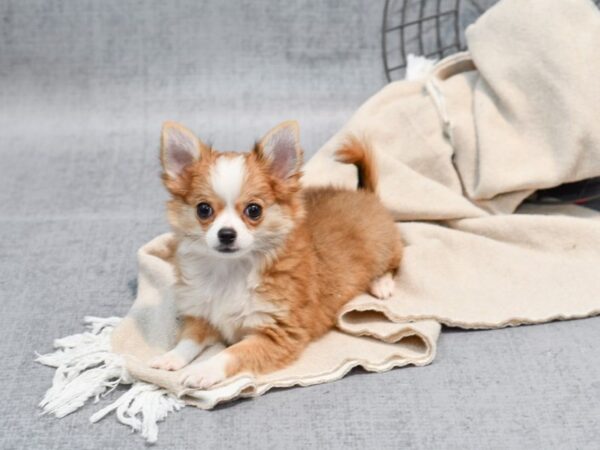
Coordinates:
x,y
457,153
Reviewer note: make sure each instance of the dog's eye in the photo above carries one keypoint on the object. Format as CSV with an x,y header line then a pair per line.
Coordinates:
x,y
204,210
253,211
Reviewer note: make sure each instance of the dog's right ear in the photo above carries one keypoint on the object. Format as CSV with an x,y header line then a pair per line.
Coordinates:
x,y
179,148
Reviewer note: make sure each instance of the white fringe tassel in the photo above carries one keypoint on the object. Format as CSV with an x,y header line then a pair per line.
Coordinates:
x,y
86,368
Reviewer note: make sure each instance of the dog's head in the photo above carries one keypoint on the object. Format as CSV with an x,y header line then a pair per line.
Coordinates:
x,y
233,204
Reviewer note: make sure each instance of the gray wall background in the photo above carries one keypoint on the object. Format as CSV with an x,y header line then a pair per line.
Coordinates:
x,y
87,84
229,69
84,87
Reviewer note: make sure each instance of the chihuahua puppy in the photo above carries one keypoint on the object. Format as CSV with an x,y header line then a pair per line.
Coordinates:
x,y
261,263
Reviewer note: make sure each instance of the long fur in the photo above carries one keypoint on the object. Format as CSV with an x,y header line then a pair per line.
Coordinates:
x,y
359,152
310,252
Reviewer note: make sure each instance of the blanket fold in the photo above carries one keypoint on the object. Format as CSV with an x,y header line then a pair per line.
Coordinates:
x,y
377,341
457,152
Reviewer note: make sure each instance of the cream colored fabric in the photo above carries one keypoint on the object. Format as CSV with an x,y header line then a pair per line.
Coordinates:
x,y
457,153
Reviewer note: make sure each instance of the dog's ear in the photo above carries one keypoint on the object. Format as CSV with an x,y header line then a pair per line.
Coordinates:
x,y
179,148
280,148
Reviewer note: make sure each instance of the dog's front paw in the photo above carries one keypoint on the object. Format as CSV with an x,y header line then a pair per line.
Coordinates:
x,y
382,287
168,361
205,374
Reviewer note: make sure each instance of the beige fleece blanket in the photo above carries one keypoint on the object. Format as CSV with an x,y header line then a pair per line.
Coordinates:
x,y
457,153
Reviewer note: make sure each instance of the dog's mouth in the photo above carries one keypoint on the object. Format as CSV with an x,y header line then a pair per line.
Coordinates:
x,y
226,249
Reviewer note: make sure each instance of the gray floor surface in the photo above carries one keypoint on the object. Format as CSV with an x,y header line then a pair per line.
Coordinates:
x,y
84,87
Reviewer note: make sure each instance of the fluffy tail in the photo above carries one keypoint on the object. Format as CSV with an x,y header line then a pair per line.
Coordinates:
x,y
358,152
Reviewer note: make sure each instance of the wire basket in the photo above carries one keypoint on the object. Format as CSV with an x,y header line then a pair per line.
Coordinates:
x,y
435,29
428,28
432,28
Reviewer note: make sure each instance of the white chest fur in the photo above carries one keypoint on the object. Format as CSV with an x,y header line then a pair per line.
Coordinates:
x,y
222,291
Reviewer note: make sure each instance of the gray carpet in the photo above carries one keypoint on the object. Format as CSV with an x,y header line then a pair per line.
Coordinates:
x,y
84,87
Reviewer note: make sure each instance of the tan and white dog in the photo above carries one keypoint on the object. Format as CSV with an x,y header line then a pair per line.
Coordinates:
x,y
261,263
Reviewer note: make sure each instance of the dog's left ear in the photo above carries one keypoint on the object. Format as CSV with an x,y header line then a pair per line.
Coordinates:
x,y
281,149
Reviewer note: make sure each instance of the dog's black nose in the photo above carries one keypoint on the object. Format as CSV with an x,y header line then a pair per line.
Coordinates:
x,y
226,236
